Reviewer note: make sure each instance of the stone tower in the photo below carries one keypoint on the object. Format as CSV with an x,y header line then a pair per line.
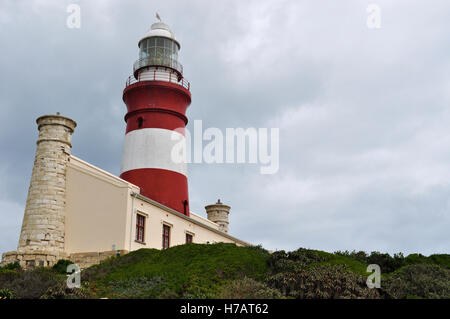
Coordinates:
x,y
41,240
218,213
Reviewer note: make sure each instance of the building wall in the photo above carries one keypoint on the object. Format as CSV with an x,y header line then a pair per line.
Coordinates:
x,y
202,230
102,208
97,203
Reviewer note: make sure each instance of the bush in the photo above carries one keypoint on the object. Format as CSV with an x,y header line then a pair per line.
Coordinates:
x,y
307,256
12,266
390,264
322,282
440,259
190,271
30,284
61,266
275,260
141,287
419,281
360,256
198,287
280,261
248,288
6,294
259,248
416,259
61,291
168,294
7,276
385,261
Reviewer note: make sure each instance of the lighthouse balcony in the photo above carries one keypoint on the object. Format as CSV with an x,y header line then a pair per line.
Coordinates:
x,y
163,61
158,74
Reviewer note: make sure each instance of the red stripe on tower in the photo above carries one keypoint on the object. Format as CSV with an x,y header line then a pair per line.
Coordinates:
x,y
157,96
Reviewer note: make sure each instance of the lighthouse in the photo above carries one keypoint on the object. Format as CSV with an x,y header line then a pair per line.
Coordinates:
x,y
157,96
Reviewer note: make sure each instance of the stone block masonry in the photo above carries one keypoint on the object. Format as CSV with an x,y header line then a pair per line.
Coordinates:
x,y
38,258
218,213
85,260
43,230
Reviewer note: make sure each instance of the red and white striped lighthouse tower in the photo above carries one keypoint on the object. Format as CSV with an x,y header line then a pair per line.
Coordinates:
x,y
156,96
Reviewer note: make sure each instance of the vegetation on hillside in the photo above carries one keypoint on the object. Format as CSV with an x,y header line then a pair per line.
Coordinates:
x,y
227,271
187,271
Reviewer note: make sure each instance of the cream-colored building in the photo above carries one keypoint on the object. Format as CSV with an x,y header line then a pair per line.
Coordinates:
x,y
80,212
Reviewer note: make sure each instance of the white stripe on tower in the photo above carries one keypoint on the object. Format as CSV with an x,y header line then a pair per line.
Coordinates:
x,y
152,148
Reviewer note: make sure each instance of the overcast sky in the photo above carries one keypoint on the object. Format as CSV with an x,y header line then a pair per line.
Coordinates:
x,y
363,113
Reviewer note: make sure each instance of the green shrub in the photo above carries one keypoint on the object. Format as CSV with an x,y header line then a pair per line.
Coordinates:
x,y
168,294
322,282
360,256
419,281
248,288
12,266
6,294
61,291
436,259
259,248
276,260
141,287
30,284
390,264
61,266
7,276
228,271
416,259
280,261
189,271
440,259
385,261
199,287
308,256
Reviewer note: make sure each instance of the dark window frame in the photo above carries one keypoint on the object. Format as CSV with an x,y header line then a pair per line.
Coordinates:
x,y
140,225
189,238
166,236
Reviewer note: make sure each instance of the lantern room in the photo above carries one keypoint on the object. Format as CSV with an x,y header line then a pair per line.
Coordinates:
x,y
158,48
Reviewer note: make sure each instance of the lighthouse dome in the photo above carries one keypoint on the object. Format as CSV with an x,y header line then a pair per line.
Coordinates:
x,y
158,48
160,29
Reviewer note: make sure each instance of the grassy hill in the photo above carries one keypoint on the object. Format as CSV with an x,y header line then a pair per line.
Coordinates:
x,y
227,271
182,271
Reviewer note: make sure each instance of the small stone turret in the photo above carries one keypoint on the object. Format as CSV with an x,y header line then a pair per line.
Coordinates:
x,y
42,235
218,213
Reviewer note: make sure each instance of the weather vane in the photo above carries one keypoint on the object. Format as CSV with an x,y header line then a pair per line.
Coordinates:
x,y
158,17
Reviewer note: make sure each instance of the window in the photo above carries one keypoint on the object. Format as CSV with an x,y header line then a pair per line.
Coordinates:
x,y
140,228
188,238
166,237
159,51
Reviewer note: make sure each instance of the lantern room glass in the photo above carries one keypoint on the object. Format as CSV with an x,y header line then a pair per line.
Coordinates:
x,y
159,51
